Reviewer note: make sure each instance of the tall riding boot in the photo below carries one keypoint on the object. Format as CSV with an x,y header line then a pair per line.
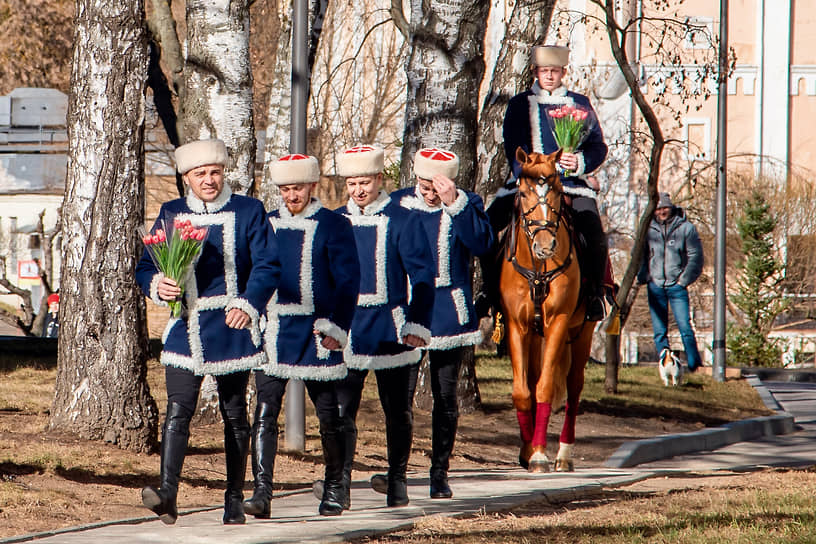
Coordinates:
x,y
443,436
264,449
236,445
349,449
334,449
399,437
176,431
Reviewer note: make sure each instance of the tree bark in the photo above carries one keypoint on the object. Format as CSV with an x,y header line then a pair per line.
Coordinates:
x,y
217,101
467,387
527,23
101,386
445,68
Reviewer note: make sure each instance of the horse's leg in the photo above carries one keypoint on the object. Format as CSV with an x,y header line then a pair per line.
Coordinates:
x,y
581,347
549,360
522,395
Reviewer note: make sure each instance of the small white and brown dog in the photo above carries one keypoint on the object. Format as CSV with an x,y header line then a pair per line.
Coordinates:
x,y
670,367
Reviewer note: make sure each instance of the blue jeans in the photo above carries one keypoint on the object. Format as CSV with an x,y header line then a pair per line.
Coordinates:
x,y
659,300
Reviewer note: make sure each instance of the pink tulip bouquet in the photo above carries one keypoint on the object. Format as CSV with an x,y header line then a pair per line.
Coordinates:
x,y
174,253
570,125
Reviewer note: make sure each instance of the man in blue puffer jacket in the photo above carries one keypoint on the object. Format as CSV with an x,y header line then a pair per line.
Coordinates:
x,y
674,260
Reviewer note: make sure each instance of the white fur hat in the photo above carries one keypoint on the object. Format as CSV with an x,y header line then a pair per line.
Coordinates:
x,y
431,161
360,160
294,169
549,55
200,153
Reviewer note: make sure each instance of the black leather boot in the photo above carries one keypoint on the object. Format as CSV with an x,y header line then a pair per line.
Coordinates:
x,y
176,431
264,449
236,446
443,436
334,448
399,437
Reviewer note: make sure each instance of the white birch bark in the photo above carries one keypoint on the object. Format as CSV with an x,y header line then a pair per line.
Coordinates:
x,y
217,102
101,388
444,68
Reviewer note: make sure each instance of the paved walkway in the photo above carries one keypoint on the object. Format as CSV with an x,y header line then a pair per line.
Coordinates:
x,y
295,516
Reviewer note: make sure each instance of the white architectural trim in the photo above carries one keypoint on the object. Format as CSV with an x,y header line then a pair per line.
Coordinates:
x,y
705,152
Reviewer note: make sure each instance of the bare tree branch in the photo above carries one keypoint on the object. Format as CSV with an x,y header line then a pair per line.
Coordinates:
x,y
398,16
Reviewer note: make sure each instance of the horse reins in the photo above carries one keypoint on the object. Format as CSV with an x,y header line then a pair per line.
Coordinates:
x,y
538,278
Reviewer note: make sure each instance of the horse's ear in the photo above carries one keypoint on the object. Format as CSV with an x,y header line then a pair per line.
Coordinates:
x,y
557,155
521,156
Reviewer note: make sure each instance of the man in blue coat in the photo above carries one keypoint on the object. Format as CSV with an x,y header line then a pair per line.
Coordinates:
x,y
307,324
673,260
457,229
387,330
526,125
219,333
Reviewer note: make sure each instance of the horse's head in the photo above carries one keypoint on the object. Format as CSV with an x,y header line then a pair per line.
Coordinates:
x,y
540,201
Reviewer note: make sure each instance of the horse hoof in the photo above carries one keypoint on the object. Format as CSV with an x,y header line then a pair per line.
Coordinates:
x,y
525,464
539,467
564,465
524,455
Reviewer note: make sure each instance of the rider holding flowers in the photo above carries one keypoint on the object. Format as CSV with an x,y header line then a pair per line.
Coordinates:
x,y
543,119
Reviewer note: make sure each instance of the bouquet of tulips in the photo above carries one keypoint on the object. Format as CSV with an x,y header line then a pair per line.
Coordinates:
x,y
174,251
569,126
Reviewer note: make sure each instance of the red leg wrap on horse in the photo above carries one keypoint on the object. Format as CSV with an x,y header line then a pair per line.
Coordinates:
x,y
542,420
525,420
568,431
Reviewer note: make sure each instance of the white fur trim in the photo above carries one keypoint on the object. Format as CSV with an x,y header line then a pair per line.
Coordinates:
x,y
417,202
449,342
200,153
154,290
550,55
199,206
429,162
417,330
314,206
360,160
222,367
558,96
303,223
300,372
458,205
581,164
580,191
398,317
374,208
380,223
332,330
169,327
379,362
254,321
294,169
462,314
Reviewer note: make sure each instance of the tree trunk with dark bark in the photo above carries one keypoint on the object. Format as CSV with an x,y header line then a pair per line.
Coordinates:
x,y
101,386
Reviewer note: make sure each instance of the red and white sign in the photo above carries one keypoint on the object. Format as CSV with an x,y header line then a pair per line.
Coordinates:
x,y
28,270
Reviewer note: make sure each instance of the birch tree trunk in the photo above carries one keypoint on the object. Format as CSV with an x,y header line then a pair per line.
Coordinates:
x,y
526,25
217,102
101,387
444,68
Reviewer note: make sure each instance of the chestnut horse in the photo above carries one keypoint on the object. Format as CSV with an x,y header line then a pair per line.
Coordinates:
x,y
547,336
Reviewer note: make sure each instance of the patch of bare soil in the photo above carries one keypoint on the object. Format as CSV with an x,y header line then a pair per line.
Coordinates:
x,y
50,480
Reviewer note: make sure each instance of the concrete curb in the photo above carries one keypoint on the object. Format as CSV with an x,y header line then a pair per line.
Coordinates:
x,y
637,452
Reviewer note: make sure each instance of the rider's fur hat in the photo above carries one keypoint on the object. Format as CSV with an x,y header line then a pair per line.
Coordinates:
x,y
549,55
360,160
294,169
200,153
431,161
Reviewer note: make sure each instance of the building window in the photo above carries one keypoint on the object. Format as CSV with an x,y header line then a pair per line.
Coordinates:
x,y
697,138
699,33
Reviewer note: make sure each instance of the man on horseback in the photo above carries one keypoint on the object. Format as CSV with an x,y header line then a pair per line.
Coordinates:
x,y
526,126
457,228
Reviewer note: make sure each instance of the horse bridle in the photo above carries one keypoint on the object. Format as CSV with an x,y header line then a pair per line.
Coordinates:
x,y
538,278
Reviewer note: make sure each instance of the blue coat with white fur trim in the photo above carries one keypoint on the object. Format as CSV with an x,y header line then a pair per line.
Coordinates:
x,y
455,233
238,268
526,126
393,250
320,279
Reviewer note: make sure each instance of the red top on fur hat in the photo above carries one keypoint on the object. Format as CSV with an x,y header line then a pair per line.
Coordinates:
x,y
437,154
431,161
52,298
359,149
293,157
